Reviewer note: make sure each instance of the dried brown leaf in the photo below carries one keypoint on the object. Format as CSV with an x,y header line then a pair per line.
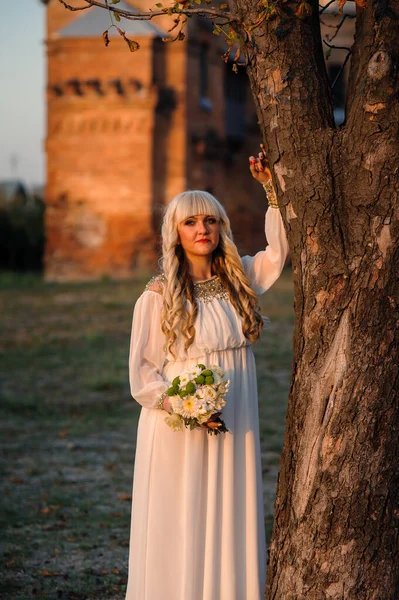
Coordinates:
x,y
133,46
304,9
106,38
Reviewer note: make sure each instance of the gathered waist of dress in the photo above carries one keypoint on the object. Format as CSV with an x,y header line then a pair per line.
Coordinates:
x,y
203,353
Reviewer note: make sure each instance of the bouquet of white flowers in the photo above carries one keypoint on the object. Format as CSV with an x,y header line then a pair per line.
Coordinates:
x,y
197,397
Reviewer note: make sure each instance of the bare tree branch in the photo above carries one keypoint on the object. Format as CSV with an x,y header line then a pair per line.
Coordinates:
x,y
73,8
341,70
336,47
148,15
336,27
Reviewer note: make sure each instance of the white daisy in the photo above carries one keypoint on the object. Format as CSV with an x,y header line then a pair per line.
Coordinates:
x,y
195,372
184,379
189,407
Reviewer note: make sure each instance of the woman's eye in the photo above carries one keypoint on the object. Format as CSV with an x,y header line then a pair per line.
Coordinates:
x,y
212,220
189,222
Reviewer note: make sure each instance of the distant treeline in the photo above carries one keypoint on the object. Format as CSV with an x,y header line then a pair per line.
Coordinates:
x,y
21,228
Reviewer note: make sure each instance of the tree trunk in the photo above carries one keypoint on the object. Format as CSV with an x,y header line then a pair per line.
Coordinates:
x,y
336,529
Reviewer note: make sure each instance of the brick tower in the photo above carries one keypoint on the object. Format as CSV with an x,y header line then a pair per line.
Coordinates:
x,y
100,145
127,131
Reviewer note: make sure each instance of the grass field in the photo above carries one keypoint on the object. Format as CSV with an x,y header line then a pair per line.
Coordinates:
x,y
68,432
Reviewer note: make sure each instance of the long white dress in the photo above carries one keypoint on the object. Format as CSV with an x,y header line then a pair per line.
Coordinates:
x,y
197,529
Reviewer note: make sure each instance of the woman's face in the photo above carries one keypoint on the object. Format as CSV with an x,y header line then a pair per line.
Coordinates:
x,y
199,235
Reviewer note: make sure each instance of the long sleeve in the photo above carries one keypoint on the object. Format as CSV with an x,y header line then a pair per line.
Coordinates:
x,y
265,267
147,356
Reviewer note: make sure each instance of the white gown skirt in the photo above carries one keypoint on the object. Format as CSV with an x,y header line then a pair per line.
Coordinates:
x,y
197,530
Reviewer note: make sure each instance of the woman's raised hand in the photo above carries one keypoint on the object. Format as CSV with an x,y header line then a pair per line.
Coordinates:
x,y
259,166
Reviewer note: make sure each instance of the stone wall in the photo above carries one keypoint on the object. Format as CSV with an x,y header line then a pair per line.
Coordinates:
x,y
101,108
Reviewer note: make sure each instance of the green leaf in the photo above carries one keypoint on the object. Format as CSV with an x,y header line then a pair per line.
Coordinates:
x,y
117,17
115,1
159,4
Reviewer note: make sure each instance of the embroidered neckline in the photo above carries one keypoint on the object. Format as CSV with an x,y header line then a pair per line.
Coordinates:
x,y
207,290
204,291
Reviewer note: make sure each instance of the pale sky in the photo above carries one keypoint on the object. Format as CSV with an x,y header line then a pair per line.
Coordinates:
x,y
22,97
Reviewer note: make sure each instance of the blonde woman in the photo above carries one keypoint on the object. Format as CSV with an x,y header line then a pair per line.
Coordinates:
x,y
197,530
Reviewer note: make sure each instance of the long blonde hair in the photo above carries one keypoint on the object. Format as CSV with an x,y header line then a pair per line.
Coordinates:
x,y
177,315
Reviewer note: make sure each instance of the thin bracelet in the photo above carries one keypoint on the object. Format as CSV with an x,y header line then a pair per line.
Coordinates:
x,y
161,399
270,194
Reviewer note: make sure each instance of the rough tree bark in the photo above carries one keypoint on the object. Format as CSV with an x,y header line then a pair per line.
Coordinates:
x,y
337,506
